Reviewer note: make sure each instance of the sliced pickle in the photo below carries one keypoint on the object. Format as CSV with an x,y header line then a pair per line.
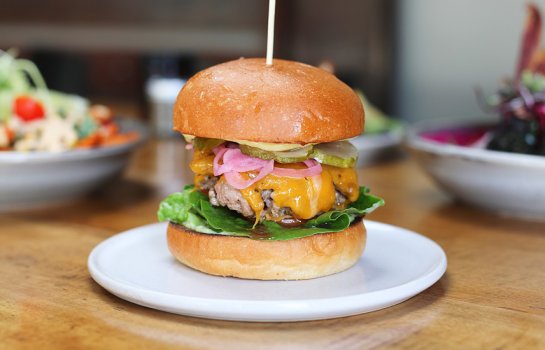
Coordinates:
x,y
296,155
341,154
203,143
271,147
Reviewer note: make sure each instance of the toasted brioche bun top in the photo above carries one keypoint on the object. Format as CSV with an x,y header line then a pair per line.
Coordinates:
x,y
288,102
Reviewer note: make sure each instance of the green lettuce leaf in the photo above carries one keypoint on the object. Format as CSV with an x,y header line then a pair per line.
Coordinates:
x,y
223,219
192,209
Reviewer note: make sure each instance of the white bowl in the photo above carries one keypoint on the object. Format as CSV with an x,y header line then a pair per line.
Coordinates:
x,y
37,179
507,183
373,148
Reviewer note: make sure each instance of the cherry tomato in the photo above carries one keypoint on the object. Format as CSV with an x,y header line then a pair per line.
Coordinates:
x,y
28,109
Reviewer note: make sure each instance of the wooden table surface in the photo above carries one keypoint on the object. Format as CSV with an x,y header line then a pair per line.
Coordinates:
x,y
492,296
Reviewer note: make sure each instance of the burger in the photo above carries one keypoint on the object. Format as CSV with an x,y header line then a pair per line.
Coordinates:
x,y
275,193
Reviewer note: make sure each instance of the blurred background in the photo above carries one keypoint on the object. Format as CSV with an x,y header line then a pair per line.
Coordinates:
x,y
414,59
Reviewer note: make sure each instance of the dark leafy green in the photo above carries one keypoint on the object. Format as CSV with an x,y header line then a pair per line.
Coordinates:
x,y
192,209
223,219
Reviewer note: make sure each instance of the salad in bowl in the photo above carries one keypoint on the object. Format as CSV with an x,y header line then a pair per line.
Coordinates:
x,y
55,147
497,166
35,118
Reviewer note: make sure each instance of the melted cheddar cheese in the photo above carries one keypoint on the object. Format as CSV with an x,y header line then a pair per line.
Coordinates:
x,y
345,179
202,165
306,197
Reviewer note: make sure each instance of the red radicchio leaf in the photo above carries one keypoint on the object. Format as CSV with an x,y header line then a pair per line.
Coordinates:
x,y
530,39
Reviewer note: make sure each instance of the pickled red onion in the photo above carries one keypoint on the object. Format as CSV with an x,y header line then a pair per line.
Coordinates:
x,y
219,151
314,168
237,161
234,162
236,180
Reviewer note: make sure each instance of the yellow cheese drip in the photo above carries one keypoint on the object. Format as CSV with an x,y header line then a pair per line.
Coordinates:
x,y
346,181
202,163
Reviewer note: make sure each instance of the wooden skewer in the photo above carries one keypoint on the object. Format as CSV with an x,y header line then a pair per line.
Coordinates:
x,y
270,33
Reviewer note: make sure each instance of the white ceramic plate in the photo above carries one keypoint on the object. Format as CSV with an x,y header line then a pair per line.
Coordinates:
x,y
37,179
396,265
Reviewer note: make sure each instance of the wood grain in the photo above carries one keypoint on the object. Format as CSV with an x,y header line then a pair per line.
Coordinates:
x,y
491,297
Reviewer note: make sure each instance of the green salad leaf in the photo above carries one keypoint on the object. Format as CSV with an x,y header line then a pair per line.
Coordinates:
x,y
193,210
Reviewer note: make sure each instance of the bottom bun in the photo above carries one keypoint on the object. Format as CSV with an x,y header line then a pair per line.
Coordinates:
x,y
302,258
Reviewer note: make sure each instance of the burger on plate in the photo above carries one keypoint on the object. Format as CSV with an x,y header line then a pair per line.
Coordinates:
x,y
275,195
